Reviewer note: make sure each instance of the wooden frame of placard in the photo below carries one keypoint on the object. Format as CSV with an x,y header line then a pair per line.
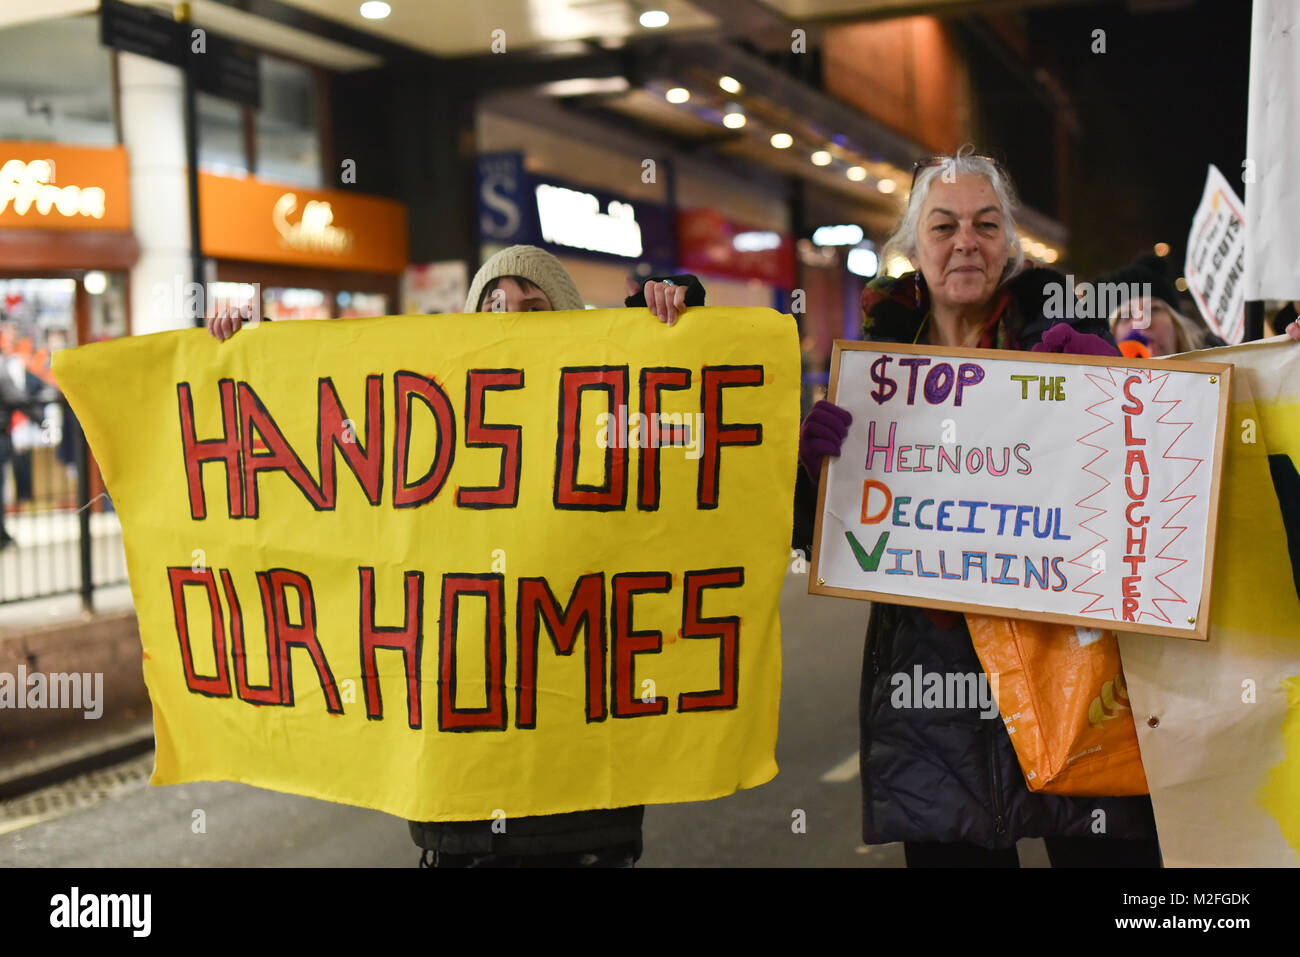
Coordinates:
x,y
1223,370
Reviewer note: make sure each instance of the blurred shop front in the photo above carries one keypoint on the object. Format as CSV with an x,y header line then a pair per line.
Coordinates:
x,y
592,193
600,237
68,245
66,251
312,253
740,264
838,253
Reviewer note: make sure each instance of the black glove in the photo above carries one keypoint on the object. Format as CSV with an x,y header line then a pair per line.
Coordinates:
x,y
694,290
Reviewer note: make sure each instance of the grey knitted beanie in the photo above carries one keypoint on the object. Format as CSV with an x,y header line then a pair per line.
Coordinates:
x,y
537,266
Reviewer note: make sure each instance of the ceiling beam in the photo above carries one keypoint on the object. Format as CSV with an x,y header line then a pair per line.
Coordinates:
x,y
300,19
870,10
869,137
764,26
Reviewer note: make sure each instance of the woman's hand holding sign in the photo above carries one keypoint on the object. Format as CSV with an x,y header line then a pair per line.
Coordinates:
x,y
1065,339
822,434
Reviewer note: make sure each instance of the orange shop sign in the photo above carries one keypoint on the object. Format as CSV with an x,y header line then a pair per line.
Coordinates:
x,y
52,186
271,222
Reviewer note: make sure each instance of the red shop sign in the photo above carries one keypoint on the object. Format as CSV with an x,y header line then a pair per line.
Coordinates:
x,y
708,242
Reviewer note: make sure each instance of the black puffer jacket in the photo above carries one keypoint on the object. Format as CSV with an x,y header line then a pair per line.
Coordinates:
x,y
931,774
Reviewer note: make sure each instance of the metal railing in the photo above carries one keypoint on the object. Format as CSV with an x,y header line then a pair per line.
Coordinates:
x,y
61,534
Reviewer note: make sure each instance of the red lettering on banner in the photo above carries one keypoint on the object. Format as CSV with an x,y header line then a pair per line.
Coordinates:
x,y
586,610
408,638
225,449
217,686
492,717
629,643
1134,461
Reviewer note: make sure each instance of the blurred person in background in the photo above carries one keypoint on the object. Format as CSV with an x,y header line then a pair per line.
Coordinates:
x,y
946,782
1152,325
16,399
1285,321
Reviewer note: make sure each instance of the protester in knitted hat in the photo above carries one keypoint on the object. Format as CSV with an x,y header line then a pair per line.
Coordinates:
x,y
531,270
528,279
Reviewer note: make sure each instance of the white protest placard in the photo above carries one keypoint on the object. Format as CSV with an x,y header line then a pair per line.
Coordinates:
x,y
1073,489
1272,164
1216,258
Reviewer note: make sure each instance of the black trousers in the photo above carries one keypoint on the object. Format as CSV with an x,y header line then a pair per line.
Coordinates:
x,y
622,855
1061,851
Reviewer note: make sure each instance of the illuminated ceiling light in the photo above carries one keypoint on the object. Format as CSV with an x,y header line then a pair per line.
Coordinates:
x,y
734,120
821,158
856,173
729,83
1180,284
886,186
782,141
1051,255
95,282
654,19
1162,249
678,94
586,86
375,9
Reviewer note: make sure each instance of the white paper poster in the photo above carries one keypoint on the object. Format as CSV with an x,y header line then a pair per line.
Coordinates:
x,y
1077,491
1216,258
1219,721
1272,166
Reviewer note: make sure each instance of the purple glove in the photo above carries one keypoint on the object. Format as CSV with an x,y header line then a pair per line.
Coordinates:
x,y
822,434
1062,337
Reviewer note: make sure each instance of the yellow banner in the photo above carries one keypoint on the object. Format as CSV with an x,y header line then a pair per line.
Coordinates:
x,y
1219,721
456,565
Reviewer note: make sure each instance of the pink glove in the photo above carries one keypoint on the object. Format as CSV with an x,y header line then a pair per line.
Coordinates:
x,y
822,434
1062,337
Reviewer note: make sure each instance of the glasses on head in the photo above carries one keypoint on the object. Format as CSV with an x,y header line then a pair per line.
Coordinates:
x,y
951,161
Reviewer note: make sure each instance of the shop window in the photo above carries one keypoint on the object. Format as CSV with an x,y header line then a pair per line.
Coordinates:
x,y
56,83
288,125
353,304
281,303
286,138
222,149
107,319
38,317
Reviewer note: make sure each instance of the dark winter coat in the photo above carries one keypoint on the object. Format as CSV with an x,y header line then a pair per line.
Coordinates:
x,y
931,774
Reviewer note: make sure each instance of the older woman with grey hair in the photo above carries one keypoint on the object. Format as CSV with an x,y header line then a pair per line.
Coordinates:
x,y
946,781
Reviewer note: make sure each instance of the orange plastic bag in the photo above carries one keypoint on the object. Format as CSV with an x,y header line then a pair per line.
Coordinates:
x,y
1061,693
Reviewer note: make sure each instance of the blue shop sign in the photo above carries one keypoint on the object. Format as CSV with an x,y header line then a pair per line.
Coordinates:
x,y
566,218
